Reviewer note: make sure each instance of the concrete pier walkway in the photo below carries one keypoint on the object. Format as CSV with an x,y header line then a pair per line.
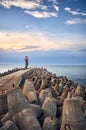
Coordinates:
x,y
7,81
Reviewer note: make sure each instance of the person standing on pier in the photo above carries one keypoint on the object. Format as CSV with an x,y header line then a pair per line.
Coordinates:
x,y
26,62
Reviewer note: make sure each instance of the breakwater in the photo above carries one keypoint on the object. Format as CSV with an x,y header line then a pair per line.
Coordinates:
x,y
10,71
43,101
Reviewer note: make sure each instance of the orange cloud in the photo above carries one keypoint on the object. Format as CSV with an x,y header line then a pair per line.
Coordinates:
x,y
16,41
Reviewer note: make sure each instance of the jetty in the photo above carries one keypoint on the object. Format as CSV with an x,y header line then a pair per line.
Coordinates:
x,y
36,99
6,82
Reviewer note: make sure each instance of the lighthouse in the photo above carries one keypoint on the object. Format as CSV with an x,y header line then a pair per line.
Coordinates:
x,y
26,62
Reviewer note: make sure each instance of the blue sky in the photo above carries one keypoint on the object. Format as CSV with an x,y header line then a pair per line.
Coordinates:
x,y
48,31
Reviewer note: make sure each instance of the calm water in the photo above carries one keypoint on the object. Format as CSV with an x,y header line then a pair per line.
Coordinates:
x,y
6,67
76,73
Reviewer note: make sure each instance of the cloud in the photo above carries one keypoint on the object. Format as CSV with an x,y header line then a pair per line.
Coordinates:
x,y
36,8
27,26
26,48
13,41
43,14
67,9
43,7
55,4
24,4
83,50
53,1
76,21
56,7
34,41
76,12
78,53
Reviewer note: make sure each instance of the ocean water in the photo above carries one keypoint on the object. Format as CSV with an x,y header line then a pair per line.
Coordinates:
x,y
77,73
6,67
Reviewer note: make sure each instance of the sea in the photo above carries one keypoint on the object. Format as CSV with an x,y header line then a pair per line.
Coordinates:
x,y
76,73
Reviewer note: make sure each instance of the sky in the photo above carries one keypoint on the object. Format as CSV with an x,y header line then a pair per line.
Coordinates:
x,y
47,31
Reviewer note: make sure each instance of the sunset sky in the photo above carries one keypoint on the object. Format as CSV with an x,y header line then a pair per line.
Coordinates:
x,y
48,31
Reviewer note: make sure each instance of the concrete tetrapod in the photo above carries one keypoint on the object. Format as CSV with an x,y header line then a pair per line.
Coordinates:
x,y
28,86
72,116
32,97
26,120
63,94
49,107
56,88
36,109
45,84
3,104
8,125
6,117
44,94
79,90
16,101
29,92
51,123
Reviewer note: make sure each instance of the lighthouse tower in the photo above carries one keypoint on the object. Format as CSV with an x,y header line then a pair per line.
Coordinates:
x,y
26,62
